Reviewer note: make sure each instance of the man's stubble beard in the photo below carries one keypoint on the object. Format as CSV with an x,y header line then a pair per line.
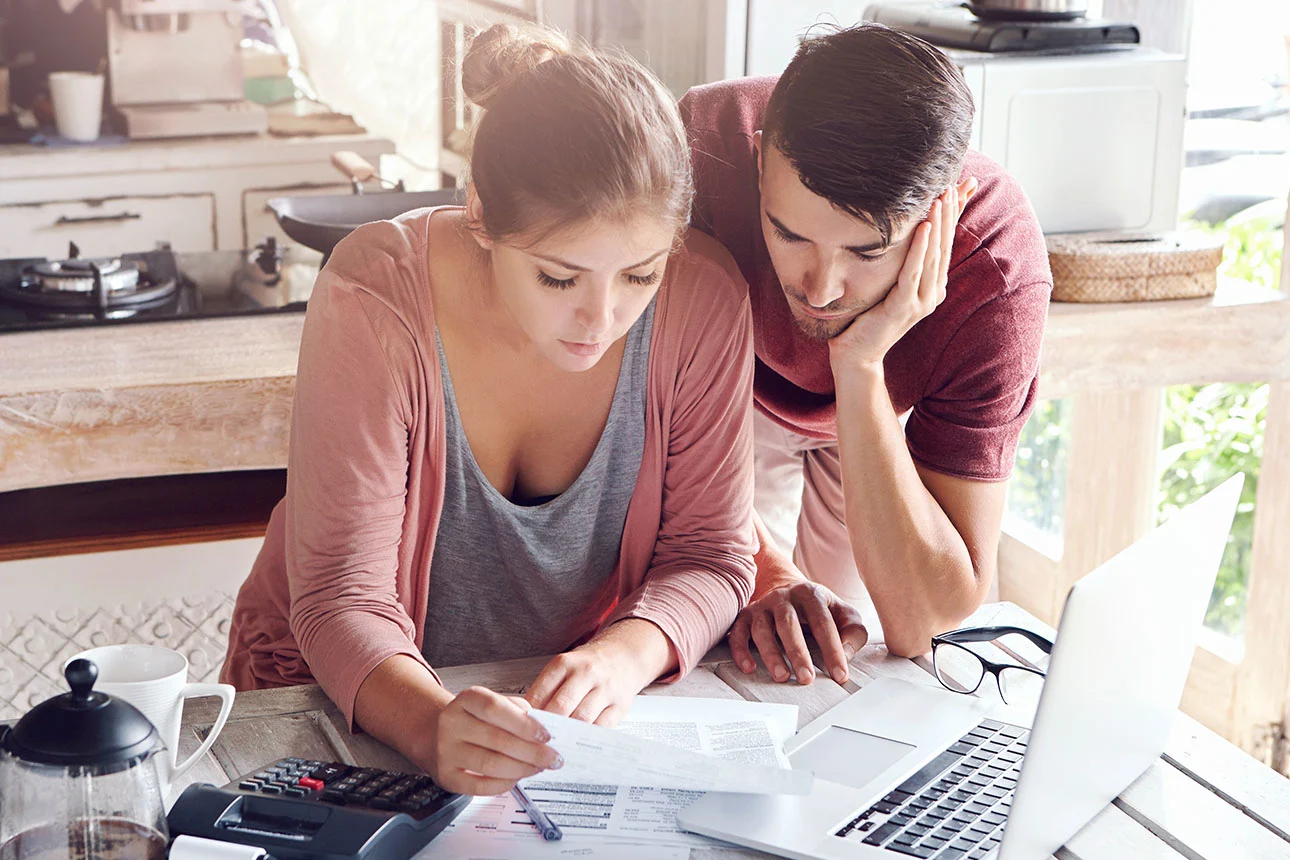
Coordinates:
x,y
817,329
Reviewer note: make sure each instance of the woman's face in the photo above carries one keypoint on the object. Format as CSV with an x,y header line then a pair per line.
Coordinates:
x,y
579,290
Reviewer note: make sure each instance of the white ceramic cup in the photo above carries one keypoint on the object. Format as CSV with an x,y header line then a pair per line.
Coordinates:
x,y
155,680
78,104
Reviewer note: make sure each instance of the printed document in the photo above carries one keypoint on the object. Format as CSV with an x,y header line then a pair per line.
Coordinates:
x,y
599,814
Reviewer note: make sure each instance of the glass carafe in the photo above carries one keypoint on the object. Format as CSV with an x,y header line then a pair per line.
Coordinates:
x,y
79,779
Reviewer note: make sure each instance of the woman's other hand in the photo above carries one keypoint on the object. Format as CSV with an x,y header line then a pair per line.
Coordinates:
x,y
596,682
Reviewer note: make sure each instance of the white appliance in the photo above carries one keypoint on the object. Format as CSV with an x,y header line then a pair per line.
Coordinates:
x,y
1093,132
175,68
893,764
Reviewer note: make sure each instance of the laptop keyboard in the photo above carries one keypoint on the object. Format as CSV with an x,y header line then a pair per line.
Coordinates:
x,y
956,805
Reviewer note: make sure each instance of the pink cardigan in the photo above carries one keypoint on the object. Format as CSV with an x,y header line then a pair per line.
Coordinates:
x,y
342,580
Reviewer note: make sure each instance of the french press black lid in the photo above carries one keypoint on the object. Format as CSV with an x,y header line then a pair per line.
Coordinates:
x,y
82,728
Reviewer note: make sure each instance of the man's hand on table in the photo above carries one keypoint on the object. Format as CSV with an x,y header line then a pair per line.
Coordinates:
x,y
776,622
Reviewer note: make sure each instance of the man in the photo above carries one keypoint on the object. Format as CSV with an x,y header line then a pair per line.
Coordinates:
x,y
899,287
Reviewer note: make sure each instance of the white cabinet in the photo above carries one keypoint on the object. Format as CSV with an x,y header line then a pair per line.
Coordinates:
x,y
197,194
107,226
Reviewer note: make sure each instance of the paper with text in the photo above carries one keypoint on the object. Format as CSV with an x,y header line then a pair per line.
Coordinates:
x,y
609,819
678,746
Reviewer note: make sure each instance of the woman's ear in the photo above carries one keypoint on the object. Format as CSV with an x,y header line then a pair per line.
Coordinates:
x,y
475,218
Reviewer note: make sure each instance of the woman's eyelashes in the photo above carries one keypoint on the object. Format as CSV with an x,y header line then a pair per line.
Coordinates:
x,y
565,283
555,283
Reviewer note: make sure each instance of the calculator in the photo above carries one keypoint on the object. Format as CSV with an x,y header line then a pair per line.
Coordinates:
x,y
298,808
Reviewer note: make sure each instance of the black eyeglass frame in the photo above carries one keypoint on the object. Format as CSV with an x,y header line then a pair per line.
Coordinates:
x,y
988,634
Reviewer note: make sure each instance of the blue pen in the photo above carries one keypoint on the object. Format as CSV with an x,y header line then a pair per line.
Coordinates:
x,y
548,828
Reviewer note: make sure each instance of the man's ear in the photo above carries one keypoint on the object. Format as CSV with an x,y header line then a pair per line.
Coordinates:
x,y
475,218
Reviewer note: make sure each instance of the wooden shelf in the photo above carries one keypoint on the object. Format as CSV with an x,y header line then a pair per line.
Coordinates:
x,y
128,514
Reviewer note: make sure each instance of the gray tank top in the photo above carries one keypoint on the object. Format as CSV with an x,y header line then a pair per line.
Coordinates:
x,y
509,580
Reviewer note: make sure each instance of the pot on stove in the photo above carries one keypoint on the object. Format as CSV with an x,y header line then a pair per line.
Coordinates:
x,y
1028,10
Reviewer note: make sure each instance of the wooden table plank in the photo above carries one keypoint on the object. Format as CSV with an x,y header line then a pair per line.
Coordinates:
x,y
246,745
703,682
1113,835
1248,784
1195,821
811,699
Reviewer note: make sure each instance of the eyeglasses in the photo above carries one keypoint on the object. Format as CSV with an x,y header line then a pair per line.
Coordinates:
x,y
961,669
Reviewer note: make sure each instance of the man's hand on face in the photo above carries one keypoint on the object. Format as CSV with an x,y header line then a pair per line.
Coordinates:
x,y
919,289
777,622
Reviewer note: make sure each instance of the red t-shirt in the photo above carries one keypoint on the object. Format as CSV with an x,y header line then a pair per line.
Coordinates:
x,y
969,371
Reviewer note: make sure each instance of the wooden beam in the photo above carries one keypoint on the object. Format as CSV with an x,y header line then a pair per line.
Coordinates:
x,y
1111,486
1028,577
1208,695
1263,680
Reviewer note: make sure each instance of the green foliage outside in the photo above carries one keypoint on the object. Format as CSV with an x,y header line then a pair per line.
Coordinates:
x,y
1210,433
1037,491
1214,431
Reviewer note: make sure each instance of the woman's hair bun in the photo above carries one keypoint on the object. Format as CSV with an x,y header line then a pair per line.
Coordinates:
x,y
503,53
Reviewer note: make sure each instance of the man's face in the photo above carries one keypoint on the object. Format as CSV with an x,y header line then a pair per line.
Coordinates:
x,y
832,265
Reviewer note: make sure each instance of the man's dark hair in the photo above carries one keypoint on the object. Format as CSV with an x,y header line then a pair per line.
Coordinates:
x,y
875,121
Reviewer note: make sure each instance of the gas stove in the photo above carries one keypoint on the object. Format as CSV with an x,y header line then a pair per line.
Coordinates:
x,y
147,286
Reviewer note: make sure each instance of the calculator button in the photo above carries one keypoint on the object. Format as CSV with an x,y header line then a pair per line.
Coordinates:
x,y
331,795
381,802
250,785
293,791
271,788
403,786
310,783
330,773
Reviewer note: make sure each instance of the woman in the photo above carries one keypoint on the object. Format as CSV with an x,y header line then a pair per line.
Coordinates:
x,y
520,426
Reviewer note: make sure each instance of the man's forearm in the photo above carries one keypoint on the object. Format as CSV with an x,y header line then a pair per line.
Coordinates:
x,y
914,563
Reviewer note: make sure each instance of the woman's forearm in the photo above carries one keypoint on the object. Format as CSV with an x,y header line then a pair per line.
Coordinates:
x,y
399,704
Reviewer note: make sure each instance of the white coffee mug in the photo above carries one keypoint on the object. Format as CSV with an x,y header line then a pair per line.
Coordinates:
x,y
78,104
155,680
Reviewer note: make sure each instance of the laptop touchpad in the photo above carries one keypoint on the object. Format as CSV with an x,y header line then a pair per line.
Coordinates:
x,y
848,757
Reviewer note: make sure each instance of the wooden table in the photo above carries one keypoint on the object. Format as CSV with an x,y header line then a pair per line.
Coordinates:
x,y
1204,800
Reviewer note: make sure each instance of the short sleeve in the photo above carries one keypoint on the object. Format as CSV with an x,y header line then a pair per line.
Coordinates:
x,y
982,389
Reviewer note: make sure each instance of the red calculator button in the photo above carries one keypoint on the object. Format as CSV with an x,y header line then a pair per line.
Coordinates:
x,y
310,783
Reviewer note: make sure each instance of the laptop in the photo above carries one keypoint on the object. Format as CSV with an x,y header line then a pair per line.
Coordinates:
x,y
909,770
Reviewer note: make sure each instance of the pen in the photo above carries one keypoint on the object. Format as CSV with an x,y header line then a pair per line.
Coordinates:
x,y
548,828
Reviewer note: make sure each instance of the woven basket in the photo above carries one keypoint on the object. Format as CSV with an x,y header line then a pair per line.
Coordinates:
x,y
1128,269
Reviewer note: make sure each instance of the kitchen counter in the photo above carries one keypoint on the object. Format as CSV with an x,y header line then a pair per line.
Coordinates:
x,y
25,161
148,399
215,394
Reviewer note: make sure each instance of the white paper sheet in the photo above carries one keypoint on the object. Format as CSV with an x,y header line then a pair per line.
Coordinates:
x,y
496,828
680,743
605,819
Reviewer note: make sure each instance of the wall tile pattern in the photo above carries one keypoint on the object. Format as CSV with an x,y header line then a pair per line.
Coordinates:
x,y
33,648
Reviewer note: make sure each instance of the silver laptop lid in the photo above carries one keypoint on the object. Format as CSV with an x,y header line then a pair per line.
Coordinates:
x,y
1124,647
